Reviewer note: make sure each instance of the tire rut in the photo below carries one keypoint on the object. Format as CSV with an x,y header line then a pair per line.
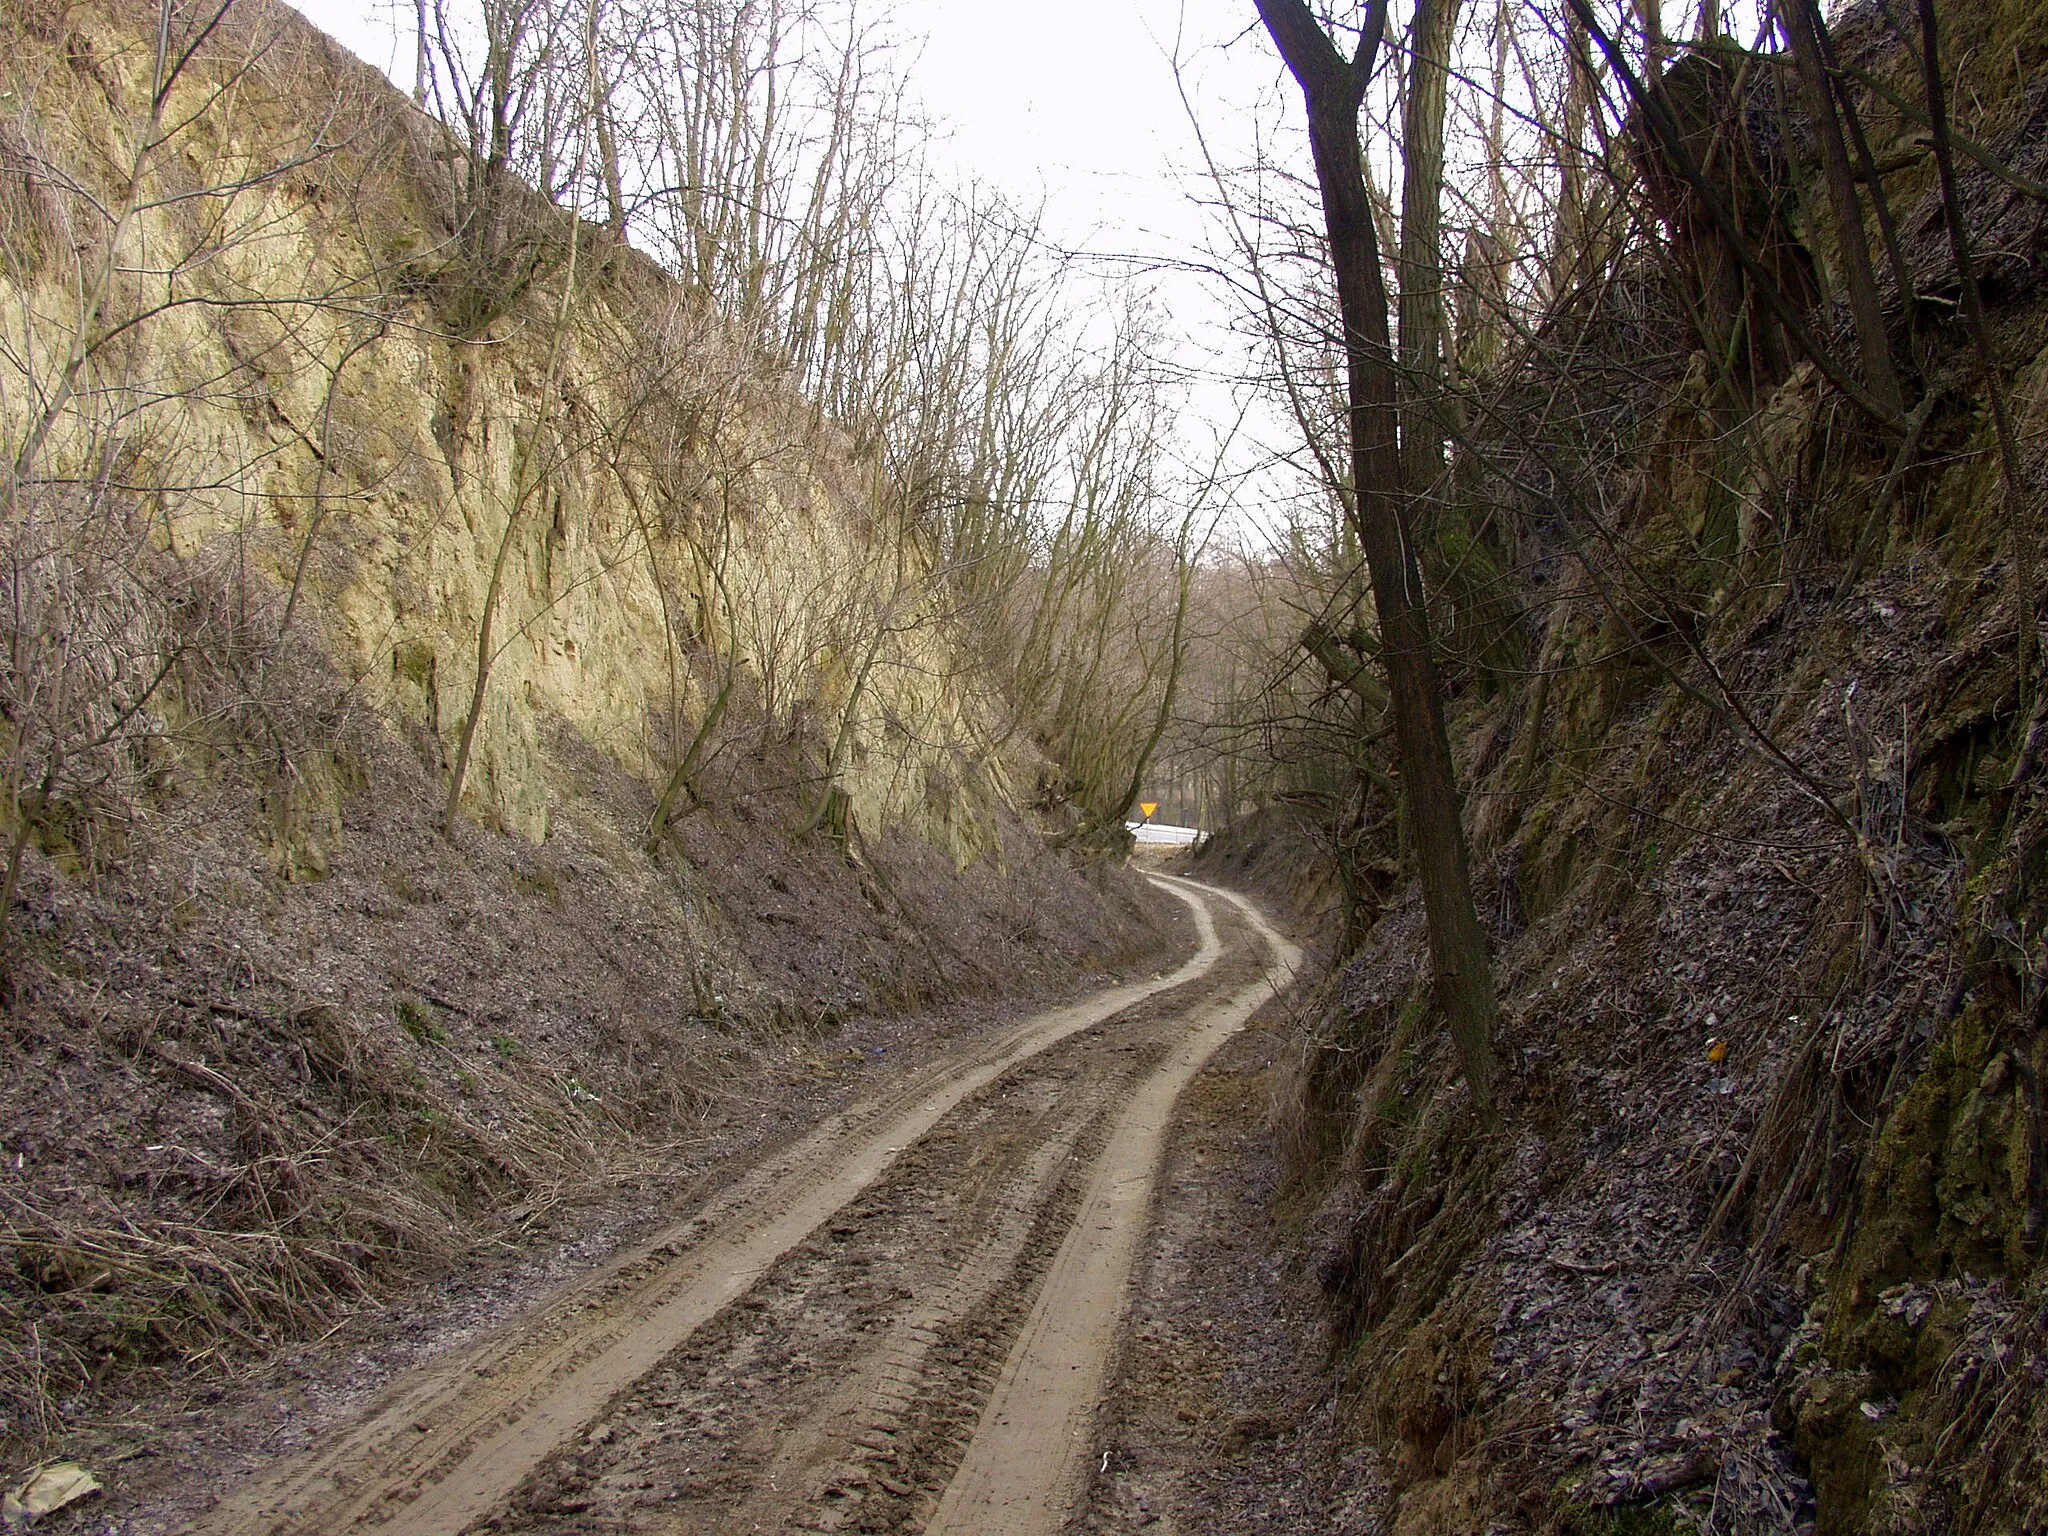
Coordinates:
x,y
1027,1466
842,1390
449,1446
826,1394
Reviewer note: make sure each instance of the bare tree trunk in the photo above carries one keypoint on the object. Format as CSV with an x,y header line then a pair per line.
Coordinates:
x,y
1334,89
526,485
1866,169
1574,217
1422,272
830,810
714,595
682,778
1656,45
608,149
419,57
603,126
2011,470
322,467
1802,22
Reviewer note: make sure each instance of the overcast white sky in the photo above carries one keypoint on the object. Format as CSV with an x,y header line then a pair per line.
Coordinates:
x,y
1071,101
1072,98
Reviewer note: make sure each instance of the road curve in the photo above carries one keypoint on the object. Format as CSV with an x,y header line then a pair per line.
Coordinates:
x,y
1025,1468
818,1343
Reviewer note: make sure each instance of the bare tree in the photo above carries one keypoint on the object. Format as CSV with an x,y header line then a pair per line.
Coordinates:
x,y
546,447
1805,32
1334,88
130,616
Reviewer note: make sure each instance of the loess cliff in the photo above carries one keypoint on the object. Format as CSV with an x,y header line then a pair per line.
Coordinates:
x,y
318,506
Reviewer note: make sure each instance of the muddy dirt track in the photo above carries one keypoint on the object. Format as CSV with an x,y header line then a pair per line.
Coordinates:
x,y
906,1321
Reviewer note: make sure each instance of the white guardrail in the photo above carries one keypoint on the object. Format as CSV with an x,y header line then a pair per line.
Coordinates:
x,y
1153,832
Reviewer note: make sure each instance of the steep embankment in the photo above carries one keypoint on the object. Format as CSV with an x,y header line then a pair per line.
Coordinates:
x,y
1758,1241
297,456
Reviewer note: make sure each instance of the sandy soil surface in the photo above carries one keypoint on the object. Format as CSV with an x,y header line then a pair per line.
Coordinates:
x,y
815,1347
168,1457
1222,1418
1029,1458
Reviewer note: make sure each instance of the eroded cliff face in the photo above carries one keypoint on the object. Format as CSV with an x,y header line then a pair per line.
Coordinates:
x,y
303,388
1758,1243
291,455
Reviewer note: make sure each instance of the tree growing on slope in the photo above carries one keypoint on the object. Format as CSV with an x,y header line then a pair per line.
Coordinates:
x,y
1383,500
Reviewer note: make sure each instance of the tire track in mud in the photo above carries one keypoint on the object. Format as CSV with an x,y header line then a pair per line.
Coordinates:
x,y
823,1410
851,1443
841,1390
1028,1463
450,1445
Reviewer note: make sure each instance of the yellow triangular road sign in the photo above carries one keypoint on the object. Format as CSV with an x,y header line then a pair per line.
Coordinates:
x,y
1148,807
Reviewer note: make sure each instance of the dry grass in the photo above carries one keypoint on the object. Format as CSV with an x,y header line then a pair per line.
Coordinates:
x,y
273,1047
241,1104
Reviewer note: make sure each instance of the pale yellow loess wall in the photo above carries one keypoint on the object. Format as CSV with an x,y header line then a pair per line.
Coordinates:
x,y
301,398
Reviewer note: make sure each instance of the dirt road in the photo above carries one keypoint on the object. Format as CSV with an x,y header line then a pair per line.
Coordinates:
x,y
904,1322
